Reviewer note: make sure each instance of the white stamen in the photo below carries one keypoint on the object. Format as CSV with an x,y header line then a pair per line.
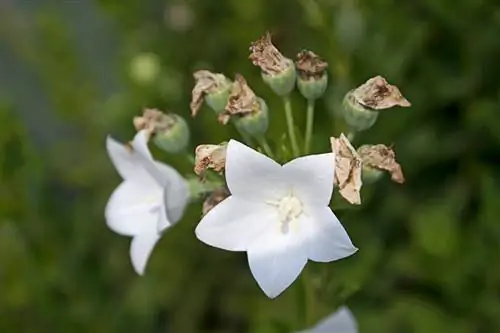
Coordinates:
x,y
289,208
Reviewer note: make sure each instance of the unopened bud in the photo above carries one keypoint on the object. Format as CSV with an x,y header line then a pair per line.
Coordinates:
x,y
313,78
362,104
347,169
379,158
277,71
213,88
169,132
210,157
249,112
214,199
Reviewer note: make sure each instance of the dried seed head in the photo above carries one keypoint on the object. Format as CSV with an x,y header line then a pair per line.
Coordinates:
x,y
210,157
381,157
310,65
265,55
168,131
213,87
214,199
313,79
242,101
377,94
347,169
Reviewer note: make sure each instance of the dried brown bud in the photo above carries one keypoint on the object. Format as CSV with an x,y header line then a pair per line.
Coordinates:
x,y
265,55
347,169
153,121
377,94
242,101
381,157
310,65
207,83
210,157
214,199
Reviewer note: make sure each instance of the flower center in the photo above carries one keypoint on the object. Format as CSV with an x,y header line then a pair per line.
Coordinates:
x,y
289,208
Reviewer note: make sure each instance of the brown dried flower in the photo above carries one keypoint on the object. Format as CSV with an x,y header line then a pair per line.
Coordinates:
x,y
377,94
242,101
214,199
153,121
210,157
347,169
206,83
310,65
265,55
381,157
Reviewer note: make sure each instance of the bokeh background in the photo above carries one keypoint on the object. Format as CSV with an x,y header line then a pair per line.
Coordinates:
x,y
72,72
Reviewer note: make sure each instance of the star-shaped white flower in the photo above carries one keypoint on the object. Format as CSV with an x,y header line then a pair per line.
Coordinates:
x,y
279,215
151,198
342,321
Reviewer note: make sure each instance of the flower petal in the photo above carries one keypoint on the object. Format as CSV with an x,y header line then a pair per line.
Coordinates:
x,y
130,209
252,175
327,239
342,321
125,161
276,259
145,159
312,177
141,248
175,194
234,223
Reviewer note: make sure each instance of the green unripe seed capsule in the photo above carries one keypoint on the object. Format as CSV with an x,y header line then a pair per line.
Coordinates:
x,y
282,83
256,123
217,100
312,88
358,117
174,138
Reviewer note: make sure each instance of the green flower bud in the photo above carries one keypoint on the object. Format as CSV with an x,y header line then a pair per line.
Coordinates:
x,y
362,104
169,132
358,117
312,80
255,123
213,88
277,71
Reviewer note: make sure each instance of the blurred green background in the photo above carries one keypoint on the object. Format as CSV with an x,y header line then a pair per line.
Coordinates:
x,y
72,72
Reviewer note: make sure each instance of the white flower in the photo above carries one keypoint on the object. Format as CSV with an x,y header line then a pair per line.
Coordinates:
x,y
278,214
341,321
151,198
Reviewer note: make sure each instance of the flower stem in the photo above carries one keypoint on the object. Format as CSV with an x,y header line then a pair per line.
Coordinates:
x,y
309,125
263,143
310,299
290,124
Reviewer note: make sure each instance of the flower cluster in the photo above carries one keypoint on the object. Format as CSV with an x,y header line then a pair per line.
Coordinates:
x,y
269,200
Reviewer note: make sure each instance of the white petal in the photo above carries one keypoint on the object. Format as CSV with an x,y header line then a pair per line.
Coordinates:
x,y
234,223
276,259
341,321
141,248
312,177
125,161
176,192
327,240
145,159
130,209
252,175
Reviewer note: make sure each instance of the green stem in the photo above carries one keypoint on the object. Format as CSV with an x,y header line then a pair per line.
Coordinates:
x,y
246,138
351,135
263,143
310,299
290,124
309,125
